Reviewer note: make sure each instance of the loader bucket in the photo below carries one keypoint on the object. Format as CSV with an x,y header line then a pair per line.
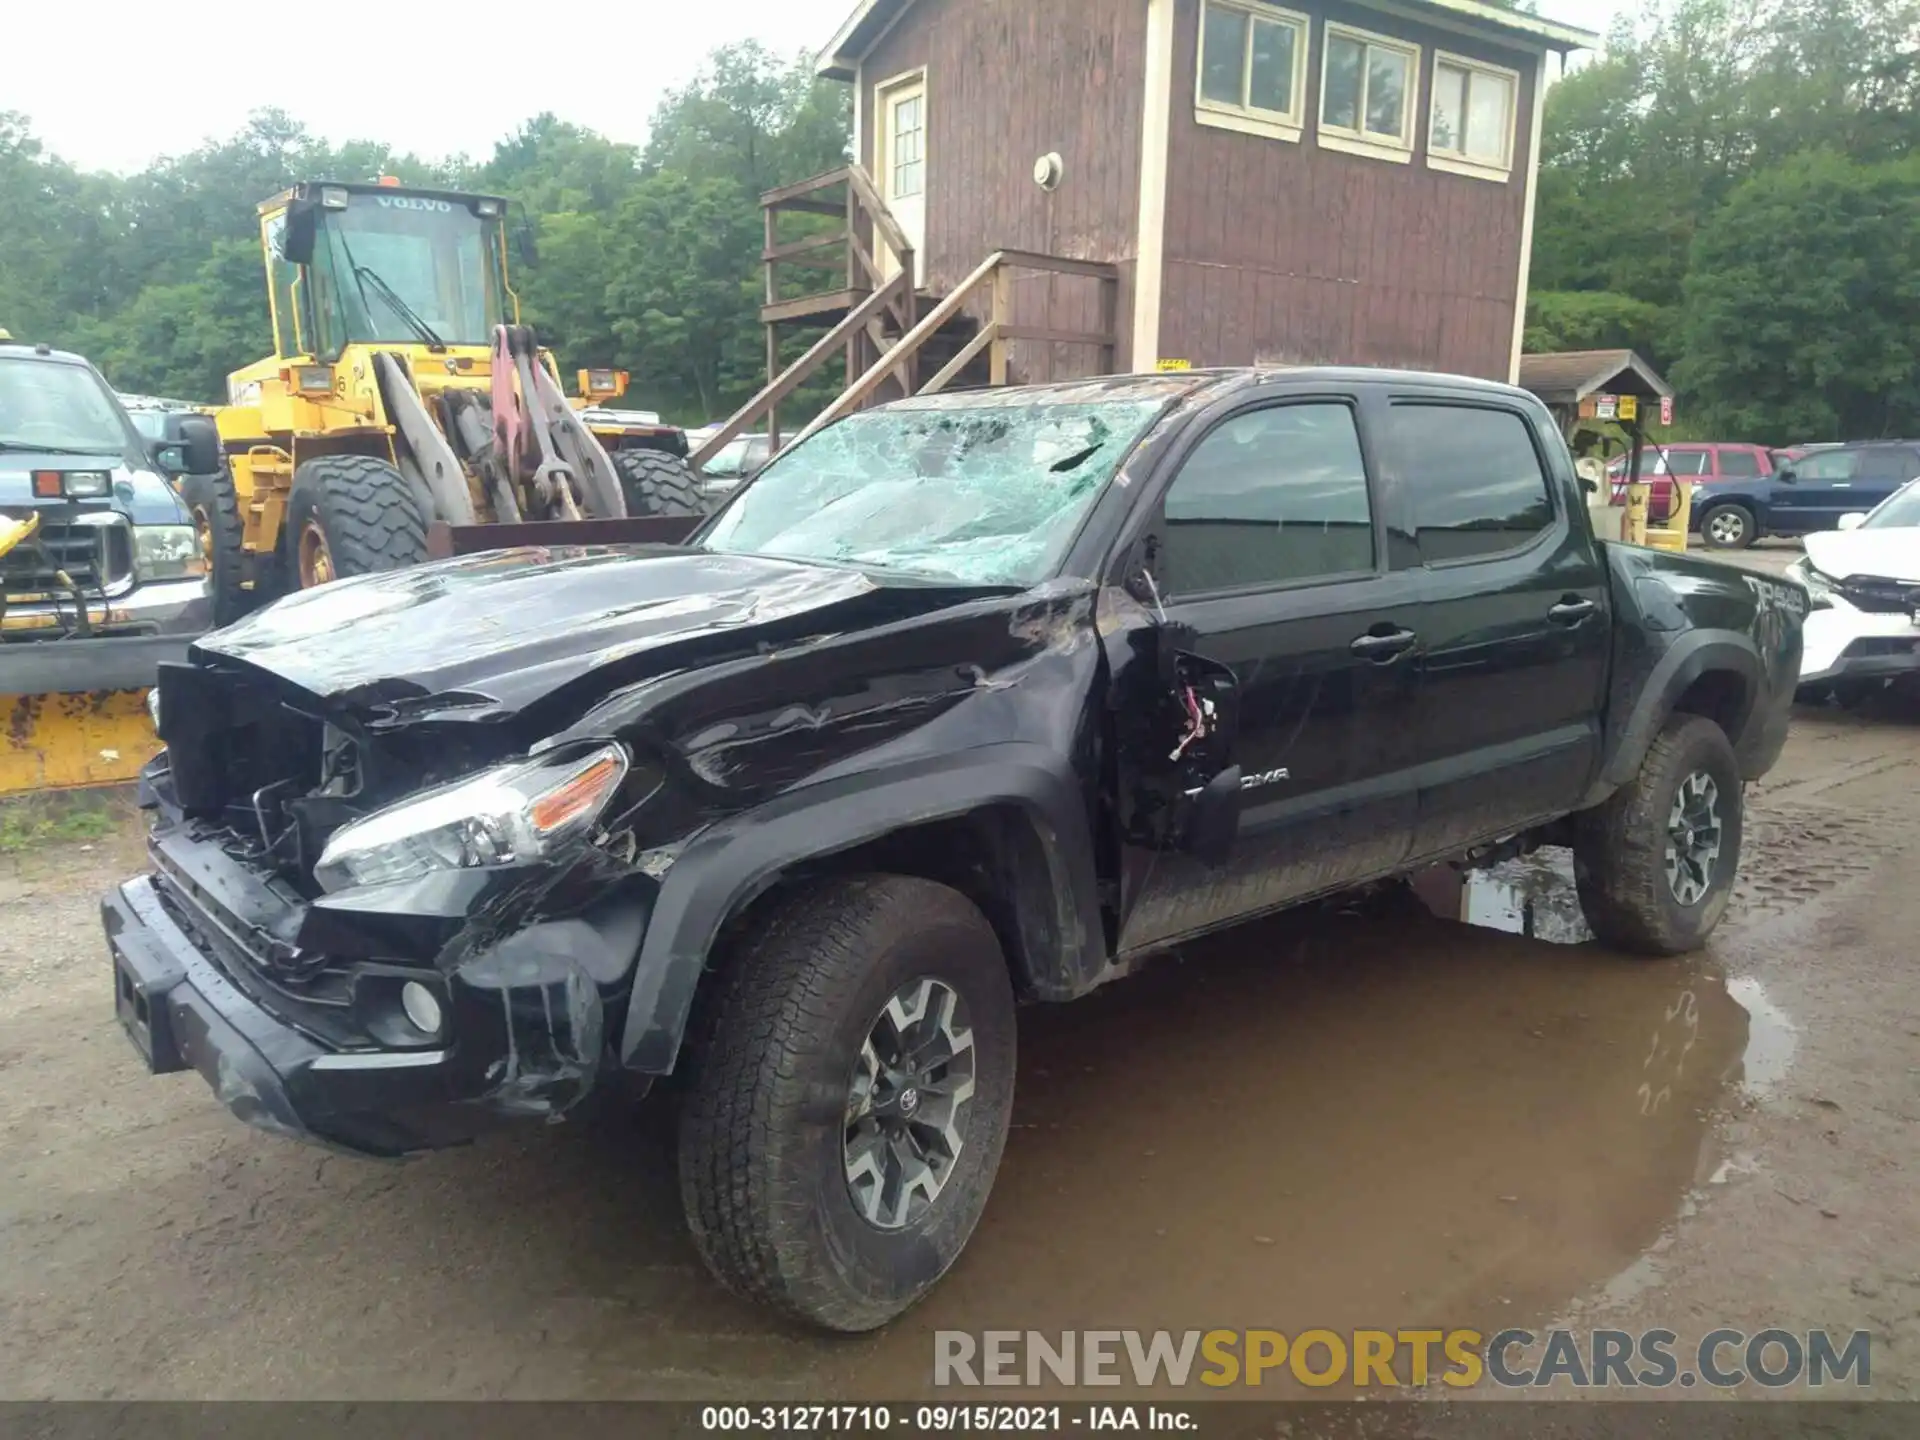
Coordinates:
x,y
73,713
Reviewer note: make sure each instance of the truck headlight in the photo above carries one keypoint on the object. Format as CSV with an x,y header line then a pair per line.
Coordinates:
x,y
1819,586
167,552
511,815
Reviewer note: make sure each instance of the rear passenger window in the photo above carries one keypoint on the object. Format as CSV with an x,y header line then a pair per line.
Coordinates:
x,y
1739,465
1270,497
1474,479
1886,464
1686,462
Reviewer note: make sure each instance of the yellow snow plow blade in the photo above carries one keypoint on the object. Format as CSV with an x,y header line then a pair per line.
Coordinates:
x,y
63,742
12,531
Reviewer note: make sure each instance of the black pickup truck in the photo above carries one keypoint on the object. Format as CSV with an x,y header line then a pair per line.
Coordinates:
x,y
965,701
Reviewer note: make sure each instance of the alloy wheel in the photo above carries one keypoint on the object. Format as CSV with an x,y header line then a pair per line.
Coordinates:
x,y
1726,528
1693,838
907,1104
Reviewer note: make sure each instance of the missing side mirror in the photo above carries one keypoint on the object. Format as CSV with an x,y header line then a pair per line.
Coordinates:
x,y
1214,820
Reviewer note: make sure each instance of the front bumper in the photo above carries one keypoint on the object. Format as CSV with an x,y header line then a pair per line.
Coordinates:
x,y
1842,643
182,1013
523,1037
151,607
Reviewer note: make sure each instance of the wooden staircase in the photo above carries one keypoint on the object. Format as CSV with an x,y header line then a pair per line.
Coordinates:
x,y
896,339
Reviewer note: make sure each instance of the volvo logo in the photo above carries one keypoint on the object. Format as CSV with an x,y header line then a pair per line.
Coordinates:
x,y
414,202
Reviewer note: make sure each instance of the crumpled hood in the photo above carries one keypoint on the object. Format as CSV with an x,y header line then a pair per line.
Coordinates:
x,y
1892,554
484,636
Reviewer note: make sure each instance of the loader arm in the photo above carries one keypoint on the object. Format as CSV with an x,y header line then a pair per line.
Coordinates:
x,y
541,442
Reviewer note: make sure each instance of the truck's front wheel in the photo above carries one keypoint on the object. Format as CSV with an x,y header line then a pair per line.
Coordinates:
x,y
850,1092
1656,863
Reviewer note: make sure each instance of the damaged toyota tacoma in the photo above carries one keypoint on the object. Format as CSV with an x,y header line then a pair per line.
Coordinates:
x,y
965,701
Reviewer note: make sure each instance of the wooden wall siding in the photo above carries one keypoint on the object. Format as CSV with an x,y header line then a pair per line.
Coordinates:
x,y
1284,252
1007,82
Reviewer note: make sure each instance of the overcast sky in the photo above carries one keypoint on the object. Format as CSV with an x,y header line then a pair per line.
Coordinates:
x,y
115,84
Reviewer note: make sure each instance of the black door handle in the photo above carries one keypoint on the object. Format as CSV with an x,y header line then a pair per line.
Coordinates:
x,y
1382,648
1571,611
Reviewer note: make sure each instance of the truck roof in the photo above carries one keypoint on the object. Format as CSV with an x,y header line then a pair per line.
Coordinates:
x,y
1190,384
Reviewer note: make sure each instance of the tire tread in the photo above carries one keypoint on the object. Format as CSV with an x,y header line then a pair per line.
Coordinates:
x,y
1620,849
777,984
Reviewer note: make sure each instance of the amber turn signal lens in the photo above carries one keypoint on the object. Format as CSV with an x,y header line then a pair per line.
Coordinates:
x,y
576,796
46,484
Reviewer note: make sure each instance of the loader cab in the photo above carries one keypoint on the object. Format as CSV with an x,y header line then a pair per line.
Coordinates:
x,y
381,264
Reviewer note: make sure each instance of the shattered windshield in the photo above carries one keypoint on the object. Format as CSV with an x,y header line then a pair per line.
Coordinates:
x,y
988,492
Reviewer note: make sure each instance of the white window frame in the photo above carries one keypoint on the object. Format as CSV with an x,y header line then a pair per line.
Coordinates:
x,y
1457,162
1363,141
1254,119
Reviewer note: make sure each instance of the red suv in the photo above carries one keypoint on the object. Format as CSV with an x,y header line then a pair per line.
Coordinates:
x,y
1697,462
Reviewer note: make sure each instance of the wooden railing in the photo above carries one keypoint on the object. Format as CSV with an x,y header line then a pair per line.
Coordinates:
x,y
999,331
879,296
859,206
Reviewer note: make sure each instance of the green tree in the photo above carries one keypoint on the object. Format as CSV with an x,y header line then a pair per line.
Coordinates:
x,y
1802,315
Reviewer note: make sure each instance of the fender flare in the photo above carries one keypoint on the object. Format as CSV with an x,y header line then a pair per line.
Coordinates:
x,y
729,864
1693,653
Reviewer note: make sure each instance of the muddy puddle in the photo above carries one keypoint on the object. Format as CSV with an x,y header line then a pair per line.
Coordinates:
x,y
1349,1120
1358,1117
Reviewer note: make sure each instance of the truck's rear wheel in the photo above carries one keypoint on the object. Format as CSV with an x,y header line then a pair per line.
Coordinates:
x,y
849,1098
1655,864
352,515
215,509
656,483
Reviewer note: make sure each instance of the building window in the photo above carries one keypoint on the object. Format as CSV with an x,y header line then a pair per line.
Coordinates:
x,y
1471,130
909,134
1368,92
1253,68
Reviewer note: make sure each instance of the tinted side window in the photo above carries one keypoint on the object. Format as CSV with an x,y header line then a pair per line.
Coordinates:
x,y
1475,479
1739,465
1828,465
1686,462
1888,464
1269,497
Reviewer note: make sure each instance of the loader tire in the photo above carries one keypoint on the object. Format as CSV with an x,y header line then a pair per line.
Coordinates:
x,y
352,515
215,508
657,483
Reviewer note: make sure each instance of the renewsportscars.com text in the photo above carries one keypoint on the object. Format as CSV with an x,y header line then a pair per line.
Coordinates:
x,y
1513,1359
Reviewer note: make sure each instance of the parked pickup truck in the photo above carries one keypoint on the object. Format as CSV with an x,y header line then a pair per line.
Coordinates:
x,y
968,700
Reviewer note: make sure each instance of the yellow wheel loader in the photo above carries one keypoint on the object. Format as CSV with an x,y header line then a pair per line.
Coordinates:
x,y
404,396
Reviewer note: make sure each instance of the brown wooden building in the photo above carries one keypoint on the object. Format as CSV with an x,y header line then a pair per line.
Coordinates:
x,y
1342,181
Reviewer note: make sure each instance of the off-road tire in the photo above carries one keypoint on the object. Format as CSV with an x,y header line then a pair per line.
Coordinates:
x,y
367,511
656,483
212,503
1619,847
763,1118
1749,530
